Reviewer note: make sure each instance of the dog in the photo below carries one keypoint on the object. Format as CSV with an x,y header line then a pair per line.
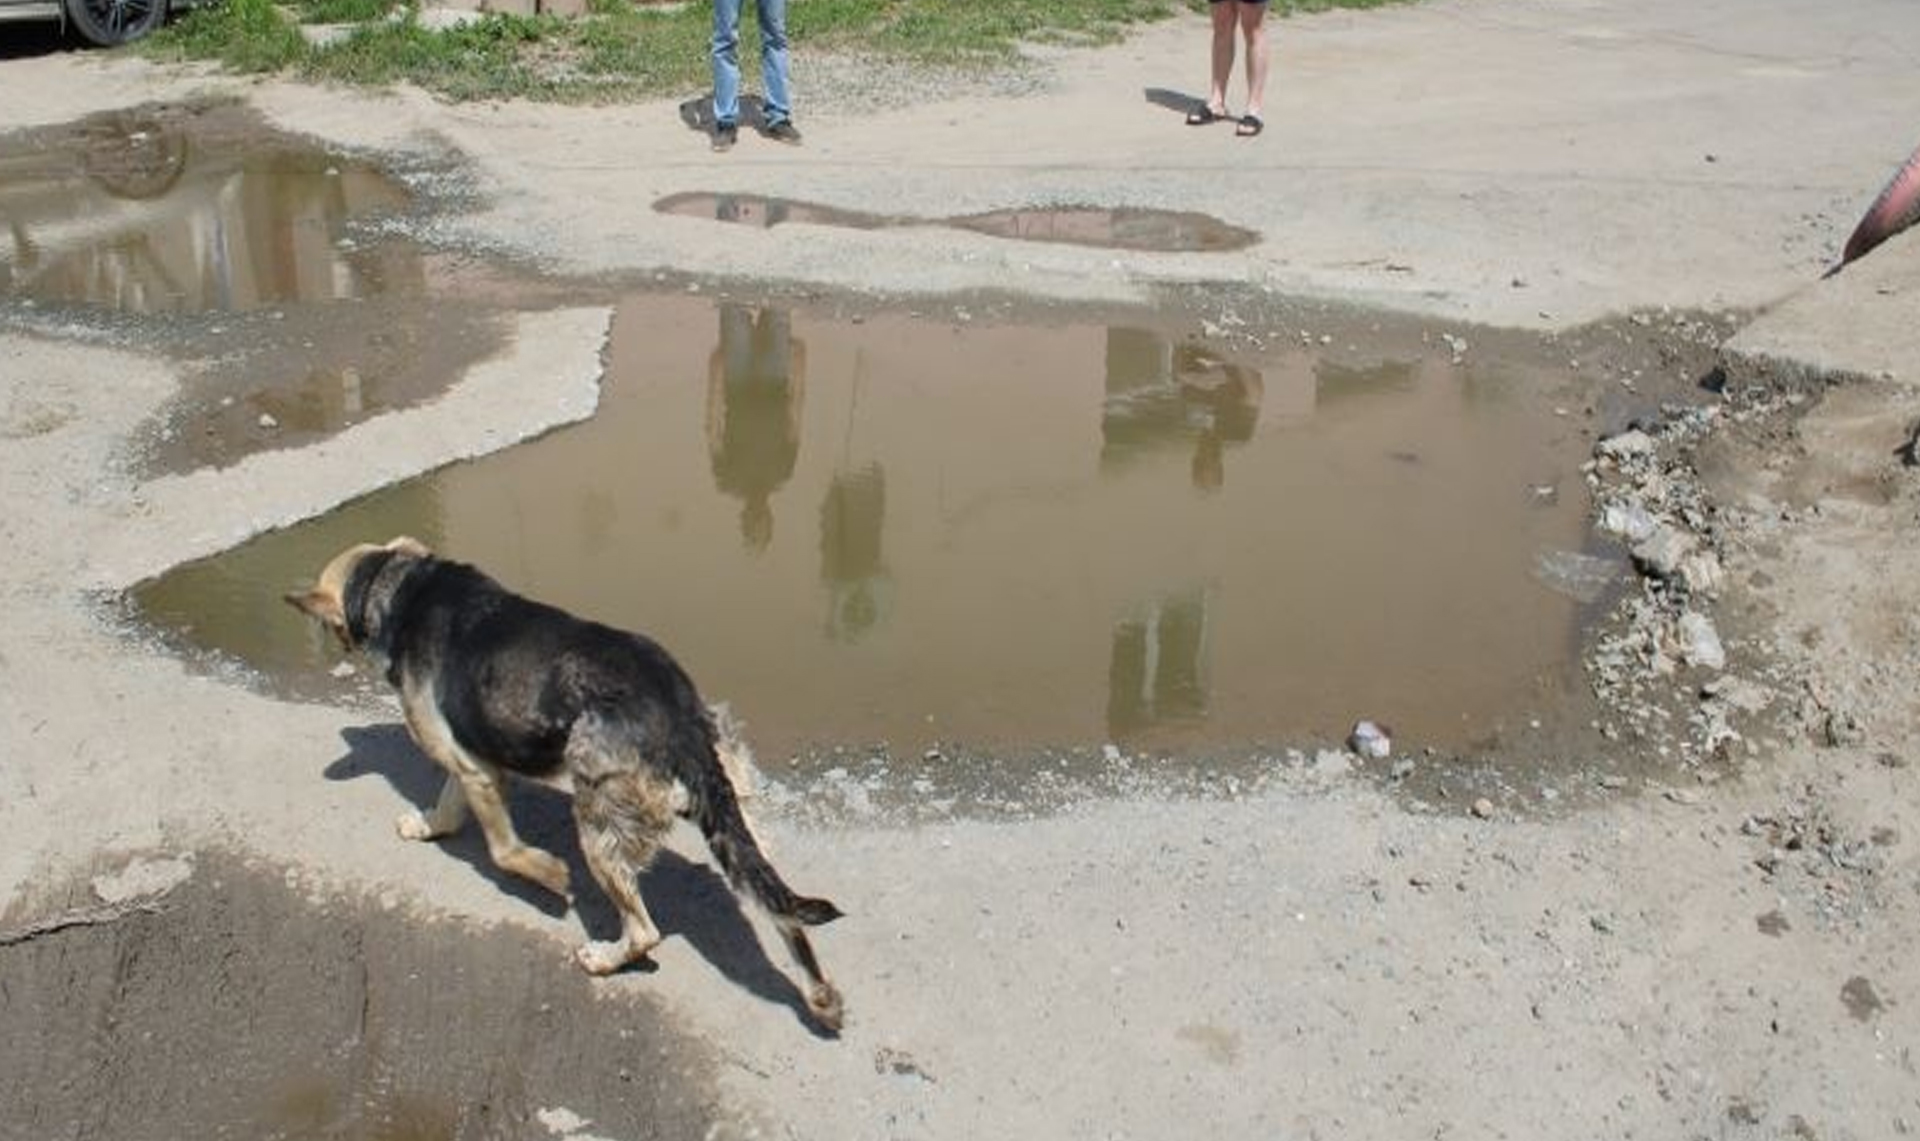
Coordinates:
x,y
492,683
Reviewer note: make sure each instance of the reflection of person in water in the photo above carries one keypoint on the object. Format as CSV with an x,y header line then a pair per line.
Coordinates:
x,y
851,520
755,382
1223,399
1160,395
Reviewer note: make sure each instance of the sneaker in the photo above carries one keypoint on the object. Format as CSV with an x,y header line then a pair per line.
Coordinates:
x,y
784,132
724,136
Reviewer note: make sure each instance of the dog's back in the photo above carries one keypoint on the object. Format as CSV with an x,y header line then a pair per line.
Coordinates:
x,y
513,676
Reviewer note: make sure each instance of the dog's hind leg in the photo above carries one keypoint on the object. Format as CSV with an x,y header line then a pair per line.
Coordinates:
x,y
621,821
622,810
443,819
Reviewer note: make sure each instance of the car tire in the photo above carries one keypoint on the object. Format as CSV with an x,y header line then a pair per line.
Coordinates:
x,y
109,23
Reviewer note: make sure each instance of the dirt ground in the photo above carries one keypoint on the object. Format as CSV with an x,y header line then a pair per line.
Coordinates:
x,y
1721,950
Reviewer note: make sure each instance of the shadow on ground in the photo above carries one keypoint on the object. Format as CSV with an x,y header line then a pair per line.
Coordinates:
x,y
237,1004
688,900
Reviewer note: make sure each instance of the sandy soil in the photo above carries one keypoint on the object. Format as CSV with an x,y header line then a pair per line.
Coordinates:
x,y
1306,956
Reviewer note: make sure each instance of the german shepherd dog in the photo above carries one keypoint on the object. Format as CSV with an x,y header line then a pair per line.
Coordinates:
x,y
492,683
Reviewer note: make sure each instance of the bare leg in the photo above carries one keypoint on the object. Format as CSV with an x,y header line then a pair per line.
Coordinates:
x,y
443,819
1253,26
1223,20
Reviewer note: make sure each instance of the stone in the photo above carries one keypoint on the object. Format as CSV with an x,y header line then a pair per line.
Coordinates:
x,y
1661,553
1700,642
1370,740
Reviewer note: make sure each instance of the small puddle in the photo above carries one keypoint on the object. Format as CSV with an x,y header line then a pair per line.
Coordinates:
x,y
237,1006
1120,228
1017,536
277,272
185,209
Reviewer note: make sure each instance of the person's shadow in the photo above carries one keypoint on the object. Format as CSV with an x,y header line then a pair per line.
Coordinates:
x,y
697,114
685,898
1174,100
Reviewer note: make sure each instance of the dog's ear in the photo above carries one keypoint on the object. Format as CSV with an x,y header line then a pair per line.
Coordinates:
x,y
320,604
408,545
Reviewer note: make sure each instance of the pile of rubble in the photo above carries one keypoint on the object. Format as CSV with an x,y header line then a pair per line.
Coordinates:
x,y
1661,668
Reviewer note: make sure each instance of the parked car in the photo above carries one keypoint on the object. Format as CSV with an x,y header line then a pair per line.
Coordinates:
x,y
101,22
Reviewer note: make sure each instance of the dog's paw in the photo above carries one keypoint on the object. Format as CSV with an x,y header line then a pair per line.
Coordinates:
x,y
604,958
413,826
828,1008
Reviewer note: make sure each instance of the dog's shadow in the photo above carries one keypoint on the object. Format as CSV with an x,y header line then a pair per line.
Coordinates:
x,y
685,898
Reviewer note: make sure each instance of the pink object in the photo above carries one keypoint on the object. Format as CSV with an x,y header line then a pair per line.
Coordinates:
x,y
1897,208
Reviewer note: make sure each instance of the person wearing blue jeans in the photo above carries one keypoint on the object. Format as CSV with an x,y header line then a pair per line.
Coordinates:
x,y
773,72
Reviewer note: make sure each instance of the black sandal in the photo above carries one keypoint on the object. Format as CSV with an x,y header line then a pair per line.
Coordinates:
x,y
1250,125
1202,115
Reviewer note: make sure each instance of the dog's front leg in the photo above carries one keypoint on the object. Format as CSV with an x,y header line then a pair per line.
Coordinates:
x,y
479,788
509,852
443,819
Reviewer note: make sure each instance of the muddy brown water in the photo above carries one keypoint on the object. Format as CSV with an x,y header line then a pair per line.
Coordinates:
x,y
240,1005
926,533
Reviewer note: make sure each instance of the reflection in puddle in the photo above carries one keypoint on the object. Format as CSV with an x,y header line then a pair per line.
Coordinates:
x,y
1121,228
1163,395
184,210
1159,664
852,520
175,211
905,531
763,213
756,381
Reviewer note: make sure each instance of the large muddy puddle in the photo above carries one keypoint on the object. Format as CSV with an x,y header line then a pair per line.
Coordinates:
x,y
1000,536
239,1003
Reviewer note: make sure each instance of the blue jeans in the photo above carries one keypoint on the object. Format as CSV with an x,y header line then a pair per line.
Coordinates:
x,y
773,60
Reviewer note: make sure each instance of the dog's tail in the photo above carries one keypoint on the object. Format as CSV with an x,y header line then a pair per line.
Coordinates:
x,y
714,805
738,852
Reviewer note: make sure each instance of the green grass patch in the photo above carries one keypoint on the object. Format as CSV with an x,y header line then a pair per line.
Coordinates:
x,y
621,50
346,11
241,35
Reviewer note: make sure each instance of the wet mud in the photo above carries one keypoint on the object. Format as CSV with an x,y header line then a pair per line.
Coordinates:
x,y
240,1003
1116,228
